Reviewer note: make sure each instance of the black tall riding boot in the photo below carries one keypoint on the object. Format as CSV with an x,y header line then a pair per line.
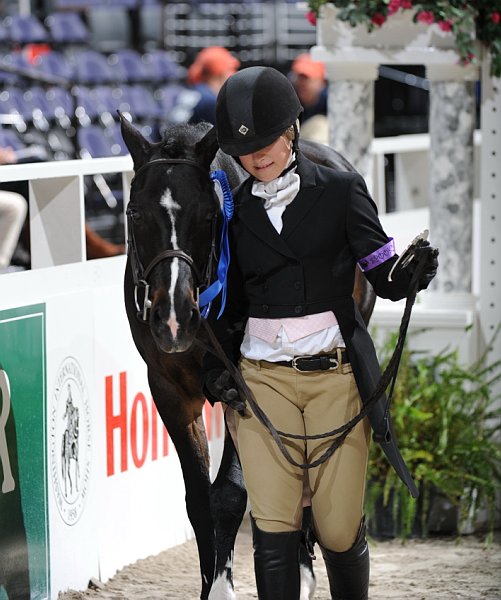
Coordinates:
x,y
348,572
276,564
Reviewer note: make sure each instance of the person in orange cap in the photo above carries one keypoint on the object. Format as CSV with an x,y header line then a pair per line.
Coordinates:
x,y
210,69
308,79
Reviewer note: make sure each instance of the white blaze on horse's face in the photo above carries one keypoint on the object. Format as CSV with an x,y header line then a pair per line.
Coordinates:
x,y
171,206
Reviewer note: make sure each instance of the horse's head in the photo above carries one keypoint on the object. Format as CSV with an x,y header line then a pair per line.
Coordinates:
x,y
171,225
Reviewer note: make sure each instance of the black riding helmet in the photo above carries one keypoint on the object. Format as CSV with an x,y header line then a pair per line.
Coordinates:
x,y
254,107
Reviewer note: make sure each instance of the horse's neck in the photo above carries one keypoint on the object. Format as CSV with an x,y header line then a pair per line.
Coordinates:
x,y
235,173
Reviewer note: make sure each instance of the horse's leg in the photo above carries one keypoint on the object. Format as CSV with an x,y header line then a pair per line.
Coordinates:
x,y
182,417
228,504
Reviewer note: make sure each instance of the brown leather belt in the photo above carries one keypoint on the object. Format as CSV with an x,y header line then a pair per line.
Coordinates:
x,y
320,362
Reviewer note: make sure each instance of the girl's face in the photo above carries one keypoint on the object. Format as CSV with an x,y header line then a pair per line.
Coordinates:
x,y
267,164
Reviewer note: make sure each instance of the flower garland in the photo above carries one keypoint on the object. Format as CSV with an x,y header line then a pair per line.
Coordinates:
x,y
463,19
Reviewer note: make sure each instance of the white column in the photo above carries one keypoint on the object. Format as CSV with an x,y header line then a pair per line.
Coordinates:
x,y
490,193
351,113
451,125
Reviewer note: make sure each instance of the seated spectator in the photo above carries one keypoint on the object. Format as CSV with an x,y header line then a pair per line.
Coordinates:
x,y
13,209
308,78
210,69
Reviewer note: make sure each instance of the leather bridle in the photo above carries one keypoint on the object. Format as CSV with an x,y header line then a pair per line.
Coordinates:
x,y
139,273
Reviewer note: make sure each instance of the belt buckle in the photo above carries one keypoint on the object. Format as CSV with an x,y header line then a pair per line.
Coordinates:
x,y
334,362
333,366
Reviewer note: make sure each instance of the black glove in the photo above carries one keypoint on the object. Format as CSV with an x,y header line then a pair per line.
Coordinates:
x,y
220,386
430,263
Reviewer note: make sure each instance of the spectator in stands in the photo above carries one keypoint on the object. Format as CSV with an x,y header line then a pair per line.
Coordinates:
x,y
308,79
13,209
210,69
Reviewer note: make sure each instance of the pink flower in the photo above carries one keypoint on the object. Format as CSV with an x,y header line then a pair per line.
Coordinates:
x,y
406,4
393,6
468,59
378,19
445,25
311,17
425,16
495,17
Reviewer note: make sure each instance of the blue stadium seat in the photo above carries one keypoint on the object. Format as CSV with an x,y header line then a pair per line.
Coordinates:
x,y
10,139
67,28
141,101
55,63
25,29
62,105
131,66
92,68
93,143
162,67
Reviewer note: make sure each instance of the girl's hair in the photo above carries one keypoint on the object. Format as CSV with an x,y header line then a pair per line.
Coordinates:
x,y
290,132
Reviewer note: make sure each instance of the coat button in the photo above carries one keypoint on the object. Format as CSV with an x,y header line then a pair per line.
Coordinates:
x,y
297,285
298,309
265,308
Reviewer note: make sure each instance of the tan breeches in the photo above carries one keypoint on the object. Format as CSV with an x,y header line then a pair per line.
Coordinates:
x,y
304,403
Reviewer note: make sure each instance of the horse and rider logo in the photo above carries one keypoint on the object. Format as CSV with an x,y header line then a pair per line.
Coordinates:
x,y
70,431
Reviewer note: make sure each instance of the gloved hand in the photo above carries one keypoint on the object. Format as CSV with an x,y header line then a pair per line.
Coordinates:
x,y
220,386
430,263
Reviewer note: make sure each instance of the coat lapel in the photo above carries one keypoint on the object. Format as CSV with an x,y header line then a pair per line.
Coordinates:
x,y
252,214
306,199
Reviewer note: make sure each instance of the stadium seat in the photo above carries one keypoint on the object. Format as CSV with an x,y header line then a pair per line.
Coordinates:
x,y
25,29
142,102
92,142
162,67
131,66
67,28
92,68
56,64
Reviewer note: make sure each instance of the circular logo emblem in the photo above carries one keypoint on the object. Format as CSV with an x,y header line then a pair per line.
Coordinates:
x,y
70,440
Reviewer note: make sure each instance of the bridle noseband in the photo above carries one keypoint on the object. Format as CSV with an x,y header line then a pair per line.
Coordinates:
x,y
139,273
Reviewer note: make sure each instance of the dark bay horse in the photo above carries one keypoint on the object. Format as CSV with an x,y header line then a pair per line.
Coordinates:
x,y
171,221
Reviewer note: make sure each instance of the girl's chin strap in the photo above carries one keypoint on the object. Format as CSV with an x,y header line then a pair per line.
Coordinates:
x,y
219,286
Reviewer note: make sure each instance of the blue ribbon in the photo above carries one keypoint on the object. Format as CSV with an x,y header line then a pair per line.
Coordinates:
x,y
220,285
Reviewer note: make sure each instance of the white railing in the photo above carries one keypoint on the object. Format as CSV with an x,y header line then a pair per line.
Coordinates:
x,y
411,154
57,204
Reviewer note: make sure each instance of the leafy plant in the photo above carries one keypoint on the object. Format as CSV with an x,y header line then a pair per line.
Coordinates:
x,y
483,18
448,430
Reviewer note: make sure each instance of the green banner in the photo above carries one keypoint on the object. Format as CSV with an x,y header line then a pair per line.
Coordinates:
x,y
24,540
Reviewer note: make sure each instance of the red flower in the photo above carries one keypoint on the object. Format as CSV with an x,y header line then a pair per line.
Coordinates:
x,y
495,17
405,4
311,17
445,25
393,6
378,19
425,16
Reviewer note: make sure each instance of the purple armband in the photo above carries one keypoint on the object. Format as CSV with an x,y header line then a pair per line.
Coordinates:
x,y
378,257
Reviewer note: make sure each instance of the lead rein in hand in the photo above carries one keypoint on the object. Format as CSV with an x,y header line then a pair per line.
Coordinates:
x,y
422,266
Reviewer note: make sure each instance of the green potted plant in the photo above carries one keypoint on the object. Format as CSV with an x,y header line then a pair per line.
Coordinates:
x,y
448,430
468,22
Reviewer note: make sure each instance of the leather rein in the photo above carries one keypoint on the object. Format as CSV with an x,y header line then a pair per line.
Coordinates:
x,y
388,378
139,273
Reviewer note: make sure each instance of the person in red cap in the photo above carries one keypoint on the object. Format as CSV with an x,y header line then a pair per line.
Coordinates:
x,y
308,79
210,69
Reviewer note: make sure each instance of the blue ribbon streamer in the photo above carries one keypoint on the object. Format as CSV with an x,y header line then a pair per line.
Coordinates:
x,y
220,285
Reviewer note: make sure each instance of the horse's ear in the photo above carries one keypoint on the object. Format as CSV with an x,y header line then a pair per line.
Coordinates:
x,y
207,147
138,146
